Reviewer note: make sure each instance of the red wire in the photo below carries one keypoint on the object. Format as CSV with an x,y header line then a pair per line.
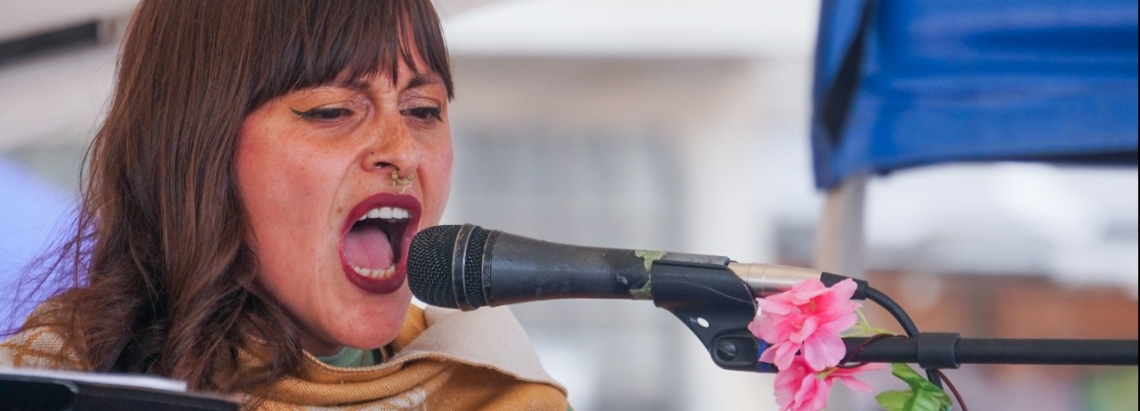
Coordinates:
x,y
863,345
859,348
953,389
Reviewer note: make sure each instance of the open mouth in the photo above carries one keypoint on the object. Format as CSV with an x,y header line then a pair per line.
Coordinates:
x,y
374,246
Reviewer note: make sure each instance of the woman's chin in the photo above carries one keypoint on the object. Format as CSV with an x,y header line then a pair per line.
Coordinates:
x,y
375,327
370,342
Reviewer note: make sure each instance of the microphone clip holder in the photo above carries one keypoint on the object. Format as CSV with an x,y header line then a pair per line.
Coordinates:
x,y
714,304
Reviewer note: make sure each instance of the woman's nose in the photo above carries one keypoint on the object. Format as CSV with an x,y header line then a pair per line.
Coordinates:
x,y
392,148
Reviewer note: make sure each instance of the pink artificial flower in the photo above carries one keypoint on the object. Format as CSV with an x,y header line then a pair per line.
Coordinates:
x,y
800,388
806,319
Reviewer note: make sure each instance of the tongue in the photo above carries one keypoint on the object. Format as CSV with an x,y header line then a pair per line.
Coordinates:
x,y
368,247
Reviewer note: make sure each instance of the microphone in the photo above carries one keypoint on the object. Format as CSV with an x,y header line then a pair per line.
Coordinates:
x,y
468,267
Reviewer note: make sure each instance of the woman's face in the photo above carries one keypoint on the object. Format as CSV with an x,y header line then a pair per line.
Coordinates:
x,y
329,224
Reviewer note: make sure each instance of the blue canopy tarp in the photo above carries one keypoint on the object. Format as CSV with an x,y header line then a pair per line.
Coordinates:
x,y
907,83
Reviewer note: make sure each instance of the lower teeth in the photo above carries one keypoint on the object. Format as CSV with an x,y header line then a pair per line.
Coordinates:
x,y
377,273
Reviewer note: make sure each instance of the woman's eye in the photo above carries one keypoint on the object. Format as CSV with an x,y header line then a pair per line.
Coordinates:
x,y
425,113
323,113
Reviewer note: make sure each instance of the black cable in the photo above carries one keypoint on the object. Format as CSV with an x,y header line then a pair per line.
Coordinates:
x,y
892,307
904,320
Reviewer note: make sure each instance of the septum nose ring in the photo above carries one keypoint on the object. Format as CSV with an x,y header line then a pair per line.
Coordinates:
x,y
401,184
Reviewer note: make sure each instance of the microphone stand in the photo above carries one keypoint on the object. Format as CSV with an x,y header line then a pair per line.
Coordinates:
x,y
947,350
717,306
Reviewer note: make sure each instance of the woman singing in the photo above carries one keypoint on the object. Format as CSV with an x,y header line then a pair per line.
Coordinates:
x,y
250,201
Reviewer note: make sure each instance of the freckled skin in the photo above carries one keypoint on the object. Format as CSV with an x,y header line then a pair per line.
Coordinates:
x,y
299,177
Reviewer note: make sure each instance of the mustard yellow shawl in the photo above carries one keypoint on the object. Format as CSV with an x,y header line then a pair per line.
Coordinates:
x,y
444,360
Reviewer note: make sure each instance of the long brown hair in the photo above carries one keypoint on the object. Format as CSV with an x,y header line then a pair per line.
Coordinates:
x,y
164,283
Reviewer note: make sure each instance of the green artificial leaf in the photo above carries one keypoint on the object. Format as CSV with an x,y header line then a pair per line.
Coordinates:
x,y
923,395
907,401
894,400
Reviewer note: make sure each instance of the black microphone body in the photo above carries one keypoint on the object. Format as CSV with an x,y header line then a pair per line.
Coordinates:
x,y
518,269
467,267
493,268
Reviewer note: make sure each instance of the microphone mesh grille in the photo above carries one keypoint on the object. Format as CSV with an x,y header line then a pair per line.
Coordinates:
x,y
429,265
473,267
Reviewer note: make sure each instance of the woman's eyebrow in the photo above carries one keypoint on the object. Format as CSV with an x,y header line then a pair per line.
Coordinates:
x,y
419,80
355,85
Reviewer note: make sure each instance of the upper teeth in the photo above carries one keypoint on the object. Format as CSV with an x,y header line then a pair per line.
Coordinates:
x,y
386,213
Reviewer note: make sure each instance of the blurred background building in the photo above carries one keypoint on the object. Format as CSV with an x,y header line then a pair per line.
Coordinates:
x,y
679,125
